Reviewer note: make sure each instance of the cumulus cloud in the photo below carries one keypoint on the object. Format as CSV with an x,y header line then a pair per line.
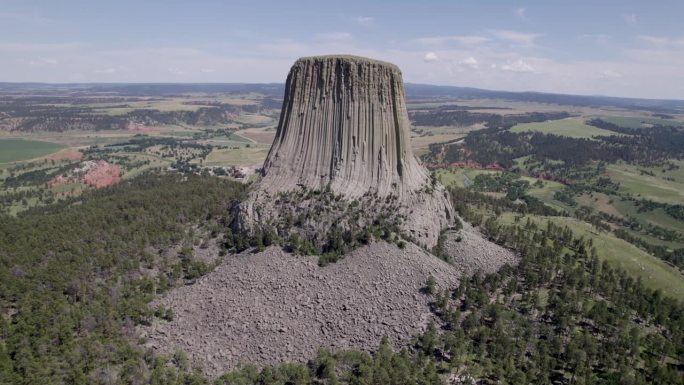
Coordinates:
x,y
365,20
470,62
518,38
517,66
175,71
206,70
430,57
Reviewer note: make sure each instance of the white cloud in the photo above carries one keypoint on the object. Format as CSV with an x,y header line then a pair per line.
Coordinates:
x,y
517,66
470,62
365,20
610,74
521,13
630,18
487,62
430,57
518,38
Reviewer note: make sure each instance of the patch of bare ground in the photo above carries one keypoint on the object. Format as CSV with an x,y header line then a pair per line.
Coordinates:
x,y
272,306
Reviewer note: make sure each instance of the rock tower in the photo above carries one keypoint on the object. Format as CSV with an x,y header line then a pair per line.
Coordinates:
x,y
344,124
344,129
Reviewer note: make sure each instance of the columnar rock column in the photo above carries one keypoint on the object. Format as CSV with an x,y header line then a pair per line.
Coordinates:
x,y
344,128
344,124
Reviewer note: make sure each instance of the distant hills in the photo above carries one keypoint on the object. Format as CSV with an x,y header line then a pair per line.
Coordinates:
x,y
413,92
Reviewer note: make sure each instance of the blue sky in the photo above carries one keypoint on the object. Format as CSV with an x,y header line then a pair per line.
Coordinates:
x,y
621,48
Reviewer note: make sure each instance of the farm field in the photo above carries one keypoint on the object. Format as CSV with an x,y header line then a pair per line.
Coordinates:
x,y
571,127
13,150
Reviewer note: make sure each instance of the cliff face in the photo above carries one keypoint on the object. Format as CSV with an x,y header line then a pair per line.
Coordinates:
x,y
344,130
344,124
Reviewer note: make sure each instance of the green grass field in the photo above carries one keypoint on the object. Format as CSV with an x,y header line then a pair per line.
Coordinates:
x,y
639,121
571,127
655,188
245,156
12,150
457,176
544,193
654,273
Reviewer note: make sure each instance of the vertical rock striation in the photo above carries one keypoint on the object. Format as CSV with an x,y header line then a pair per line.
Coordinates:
x,y
344,129
344,125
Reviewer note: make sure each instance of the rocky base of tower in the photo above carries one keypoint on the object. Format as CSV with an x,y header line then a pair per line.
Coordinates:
x,y
322,221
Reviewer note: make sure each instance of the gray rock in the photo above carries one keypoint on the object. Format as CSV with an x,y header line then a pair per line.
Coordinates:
x,y
344,127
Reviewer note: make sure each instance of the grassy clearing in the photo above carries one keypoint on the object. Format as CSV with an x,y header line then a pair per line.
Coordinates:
x,y
571,127
12,150
640,122
656,217
458,176
600,202
655,188
258,135
245,156
654,273
544,193
255,119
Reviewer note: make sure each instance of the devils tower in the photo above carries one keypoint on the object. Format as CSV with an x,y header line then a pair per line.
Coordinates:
x,y
344,129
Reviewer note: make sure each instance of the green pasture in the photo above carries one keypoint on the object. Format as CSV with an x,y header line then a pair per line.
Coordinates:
x,y
571,127
13,150
653,272
640,122
655,188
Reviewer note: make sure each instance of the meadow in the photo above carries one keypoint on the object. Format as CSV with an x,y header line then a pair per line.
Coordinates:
x,y
244,156
571,127
653,272
640,122
13,150
656,188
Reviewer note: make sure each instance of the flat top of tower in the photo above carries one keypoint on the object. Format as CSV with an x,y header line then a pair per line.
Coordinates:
x,y
347,58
